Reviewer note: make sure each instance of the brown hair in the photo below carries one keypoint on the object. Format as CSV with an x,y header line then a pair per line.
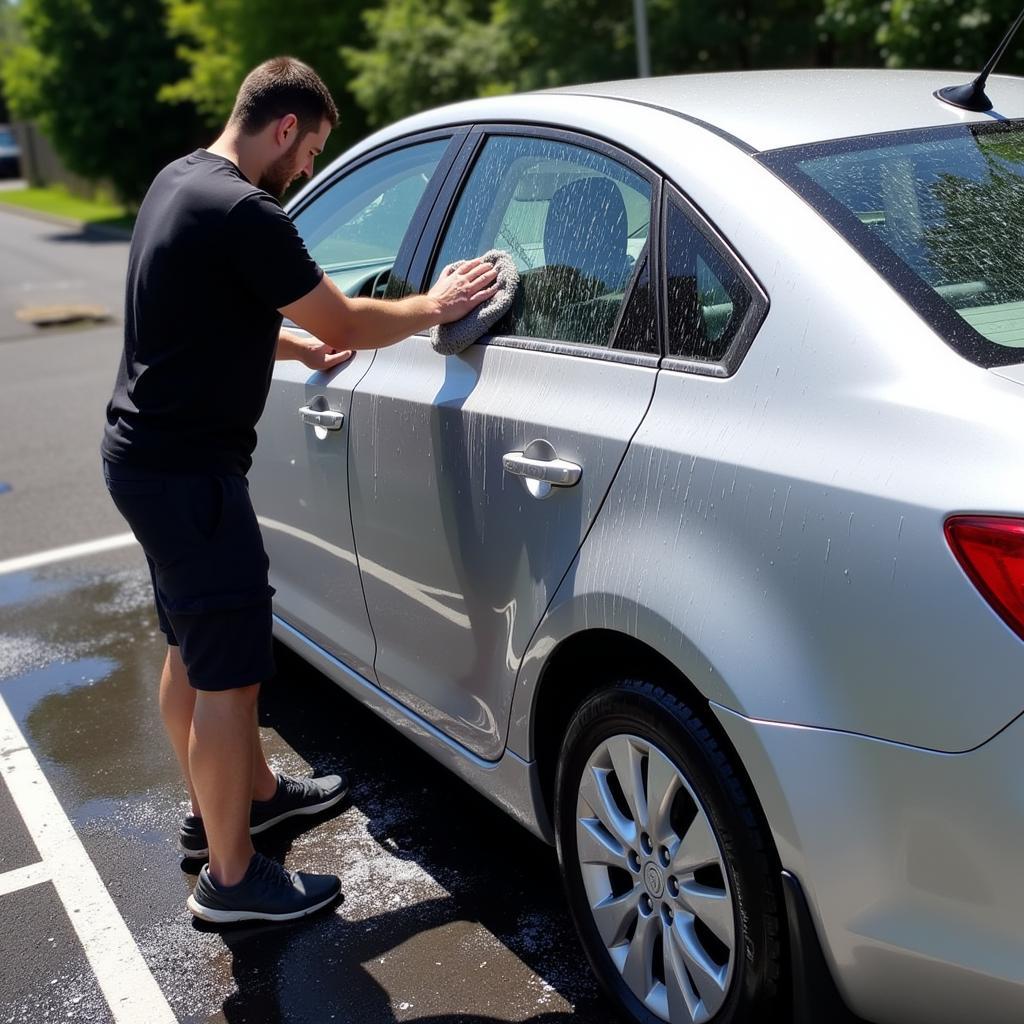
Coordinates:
x,y
279,86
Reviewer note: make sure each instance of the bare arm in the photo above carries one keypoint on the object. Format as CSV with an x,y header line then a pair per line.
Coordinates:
x,y
310,351
342,323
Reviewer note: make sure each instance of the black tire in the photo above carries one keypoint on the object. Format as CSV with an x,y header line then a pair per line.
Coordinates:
x,y
641,709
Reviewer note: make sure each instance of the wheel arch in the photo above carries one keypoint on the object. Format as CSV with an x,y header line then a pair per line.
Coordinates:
x,y
582,664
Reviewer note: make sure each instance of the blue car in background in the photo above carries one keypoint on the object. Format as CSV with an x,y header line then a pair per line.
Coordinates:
x,y
10,153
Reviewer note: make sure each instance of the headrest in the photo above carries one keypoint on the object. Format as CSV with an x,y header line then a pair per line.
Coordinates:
x,y
586,229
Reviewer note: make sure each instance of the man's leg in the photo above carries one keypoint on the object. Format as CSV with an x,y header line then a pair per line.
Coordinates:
x,y
264,781
177,702
239,884
220,759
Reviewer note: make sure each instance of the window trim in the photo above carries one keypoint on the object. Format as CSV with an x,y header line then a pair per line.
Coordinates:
x,y
939,315
410,240
444,210
570,348
759,301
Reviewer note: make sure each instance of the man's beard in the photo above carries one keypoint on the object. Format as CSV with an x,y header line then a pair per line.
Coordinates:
x,y
281,173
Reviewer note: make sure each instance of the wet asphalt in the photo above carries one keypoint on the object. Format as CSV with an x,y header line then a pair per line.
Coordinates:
x,y
451,913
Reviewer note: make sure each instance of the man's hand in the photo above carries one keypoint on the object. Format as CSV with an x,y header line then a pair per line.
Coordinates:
x,y
358,323
310,352
459,291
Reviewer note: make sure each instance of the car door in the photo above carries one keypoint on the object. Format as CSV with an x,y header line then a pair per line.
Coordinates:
x,y
475,477
355,227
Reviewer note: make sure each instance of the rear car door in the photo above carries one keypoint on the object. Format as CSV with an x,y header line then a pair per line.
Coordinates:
x,y
361,227
475,477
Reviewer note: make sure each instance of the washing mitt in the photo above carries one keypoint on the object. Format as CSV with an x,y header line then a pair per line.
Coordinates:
x,y
450,339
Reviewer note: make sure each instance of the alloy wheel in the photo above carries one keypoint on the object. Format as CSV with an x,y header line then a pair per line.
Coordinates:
x,y
655,879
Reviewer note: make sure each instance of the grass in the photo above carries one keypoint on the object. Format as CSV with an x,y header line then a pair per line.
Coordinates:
x,y
59,201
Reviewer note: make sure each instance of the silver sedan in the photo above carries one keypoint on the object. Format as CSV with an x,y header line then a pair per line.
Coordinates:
x,y
707,564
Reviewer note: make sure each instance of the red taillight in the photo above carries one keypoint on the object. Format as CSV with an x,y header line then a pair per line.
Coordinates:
x,y
991,551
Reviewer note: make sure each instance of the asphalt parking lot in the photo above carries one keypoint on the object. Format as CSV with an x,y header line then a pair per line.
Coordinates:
x,y
452,912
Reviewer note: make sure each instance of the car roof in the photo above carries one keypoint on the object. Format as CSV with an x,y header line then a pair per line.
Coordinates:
x,y
754,110
771,109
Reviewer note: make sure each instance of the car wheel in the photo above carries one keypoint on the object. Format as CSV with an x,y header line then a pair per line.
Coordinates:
x,y
667,868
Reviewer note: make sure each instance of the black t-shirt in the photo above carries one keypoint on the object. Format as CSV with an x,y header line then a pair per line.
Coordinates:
x,y
212,260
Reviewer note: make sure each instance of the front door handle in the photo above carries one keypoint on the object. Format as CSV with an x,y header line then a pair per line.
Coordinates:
x,y
557,472
541,468
326,419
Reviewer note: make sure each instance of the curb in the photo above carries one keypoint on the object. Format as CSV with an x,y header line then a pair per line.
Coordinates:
x,y
87,229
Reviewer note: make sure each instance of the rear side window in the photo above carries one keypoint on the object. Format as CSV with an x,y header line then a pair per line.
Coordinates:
x,y
355,229
940,213
706,299
576,223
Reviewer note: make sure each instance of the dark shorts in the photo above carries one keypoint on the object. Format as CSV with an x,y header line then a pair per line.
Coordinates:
x,y
208,567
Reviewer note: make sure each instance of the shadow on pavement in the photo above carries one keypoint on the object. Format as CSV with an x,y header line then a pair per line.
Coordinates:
x,y
116,229
481,868
452,911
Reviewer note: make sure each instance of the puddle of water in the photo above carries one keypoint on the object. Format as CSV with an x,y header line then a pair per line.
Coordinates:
x,y
437,881
26,692
80,658
28,587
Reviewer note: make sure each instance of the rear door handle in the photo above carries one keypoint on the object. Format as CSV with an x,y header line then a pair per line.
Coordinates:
x,y
327,419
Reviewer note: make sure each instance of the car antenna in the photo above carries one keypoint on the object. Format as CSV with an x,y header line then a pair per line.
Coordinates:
x,y
972,95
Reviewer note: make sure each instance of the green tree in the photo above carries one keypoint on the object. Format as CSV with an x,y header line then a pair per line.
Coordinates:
x,y
928,33
88,71
426,52
9,38
423,52
9,34
220,41
572,41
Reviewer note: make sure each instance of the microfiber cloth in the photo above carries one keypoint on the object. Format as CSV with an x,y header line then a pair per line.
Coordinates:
x,y
450,339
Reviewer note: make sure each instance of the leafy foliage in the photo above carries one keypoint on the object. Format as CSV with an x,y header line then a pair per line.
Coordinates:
x,y
426,52
8,39
123,85
570,41
9,33
220,41
88,71
929,33
423,52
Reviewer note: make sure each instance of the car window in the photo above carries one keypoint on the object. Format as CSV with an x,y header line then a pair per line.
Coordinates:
x,y
706,298
575,222
355,229
938,212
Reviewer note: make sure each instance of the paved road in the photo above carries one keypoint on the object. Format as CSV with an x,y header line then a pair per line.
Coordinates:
x,y
42,264
54,383
452,912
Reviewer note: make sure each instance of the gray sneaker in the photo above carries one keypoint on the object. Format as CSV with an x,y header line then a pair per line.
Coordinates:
x,y
293,797
267,892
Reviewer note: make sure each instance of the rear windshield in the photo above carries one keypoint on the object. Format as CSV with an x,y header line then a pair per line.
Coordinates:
x,y
940,213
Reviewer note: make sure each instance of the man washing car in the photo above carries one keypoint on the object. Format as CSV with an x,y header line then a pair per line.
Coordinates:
x,y
214,265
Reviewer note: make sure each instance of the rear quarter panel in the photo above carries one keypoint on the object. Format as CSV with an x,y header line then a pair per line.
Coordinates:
x,y
778,535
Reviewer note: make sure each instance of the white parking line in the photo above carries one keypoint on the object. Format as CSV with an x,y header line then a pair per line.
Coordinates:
x,y
123,976
23,878
89,547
